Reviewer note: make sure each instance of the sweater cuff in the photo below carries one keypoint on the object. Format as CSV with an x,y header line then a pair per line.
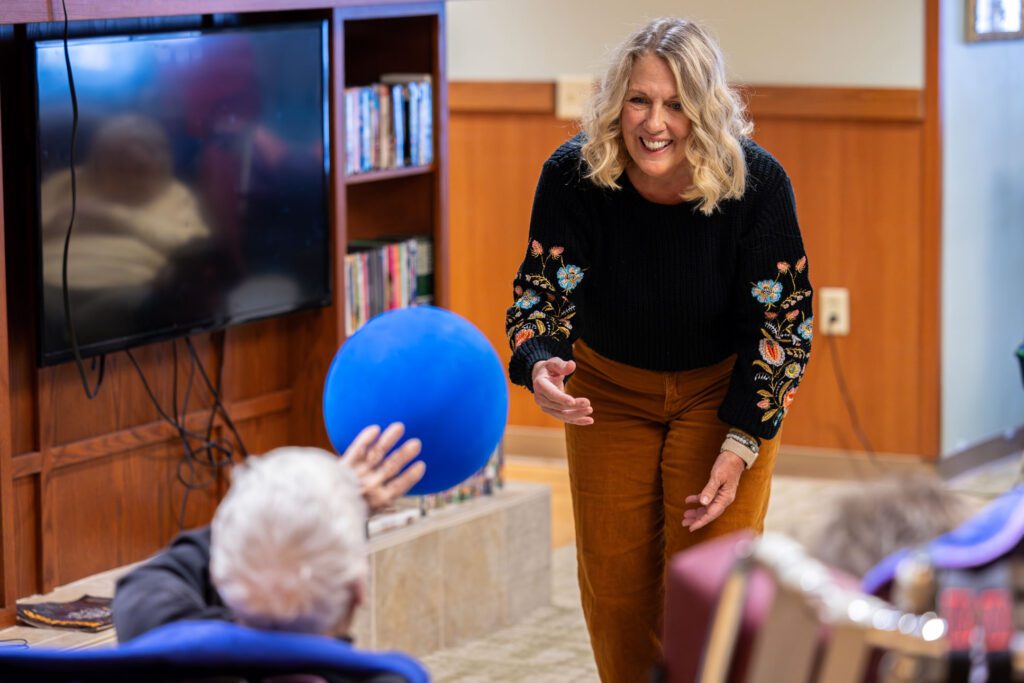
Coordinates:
x,y
747,418
531,352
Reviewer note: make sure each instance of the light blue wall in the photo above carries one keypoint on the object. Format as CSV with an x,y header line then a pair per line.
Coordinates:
x,y
983,233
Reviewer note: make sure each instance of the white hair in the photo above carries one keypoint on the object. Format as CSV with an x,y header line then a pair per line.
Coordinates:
x,y
288,541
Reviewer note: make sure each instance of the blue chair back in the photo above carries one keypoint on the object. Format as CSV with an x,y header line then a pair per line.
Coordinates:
x,y
189,650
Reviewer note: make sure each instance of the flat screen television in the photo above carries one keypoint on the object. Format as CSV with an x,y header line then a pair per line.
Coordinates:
x,y
201,173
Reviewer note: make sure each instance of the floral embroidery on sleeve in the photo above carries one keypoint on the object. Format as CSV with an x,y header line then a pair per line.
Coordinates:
x,y
542,308
787,332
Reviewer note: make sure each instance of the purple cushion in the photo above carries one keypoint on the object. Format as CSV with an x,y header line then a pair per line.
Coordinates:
x,y
996,530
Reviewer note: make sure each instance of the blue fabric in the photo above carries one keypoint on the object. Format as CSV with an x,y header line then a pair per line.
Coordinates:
x,y
993,532
208,648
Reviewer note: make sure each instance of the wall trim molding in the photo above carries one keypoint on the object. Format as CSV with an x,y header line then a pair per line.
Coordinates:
x,y
831,463
501,97
982,452
548,443
149,434
763,101
848,104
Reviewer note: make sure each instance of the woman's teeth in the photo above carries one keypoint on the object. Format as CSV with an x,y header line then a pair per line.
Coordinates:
x,y
654,146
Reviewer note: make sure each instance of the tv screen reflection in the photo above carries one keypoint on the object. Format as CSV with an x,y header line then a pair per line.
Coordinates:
x,y
200,180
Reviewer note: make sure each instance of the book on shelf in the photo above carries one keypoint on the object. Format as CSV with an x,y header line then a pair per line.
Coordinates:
x,y
408,510
87,613
389,124
423,266
385,274
484,482
402,514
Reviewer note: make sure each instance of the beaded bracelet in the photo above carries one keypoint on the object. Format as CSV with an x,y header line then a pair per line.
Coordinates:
x,y
745,439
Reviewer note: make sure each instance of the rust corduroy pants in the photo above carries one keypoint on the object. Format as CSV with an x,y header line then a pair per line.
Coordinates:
x,y
654,439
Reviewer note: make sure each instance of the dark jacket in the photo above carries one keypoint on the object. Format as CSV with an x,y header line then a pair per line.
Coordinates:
x,y
172,586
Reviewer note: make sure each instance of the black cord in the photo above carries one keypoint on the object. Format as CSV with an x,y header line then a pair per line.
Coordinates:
x,y
188,459
218,341
215,393
220,377
179,427
210,459
220,454
844,392
19,643
68,324
174,383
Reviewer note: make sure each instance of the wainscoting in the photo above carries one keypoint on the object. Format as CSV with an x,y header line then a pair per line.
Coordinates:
x,y
862,167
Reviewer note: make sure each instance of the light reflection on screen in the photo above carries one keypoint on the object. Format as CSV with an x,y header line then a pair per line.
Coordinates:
x,y
201,182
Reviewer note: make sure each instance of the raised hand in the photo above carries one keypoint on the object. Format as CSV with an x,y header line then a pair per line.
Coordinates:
x,y
380,470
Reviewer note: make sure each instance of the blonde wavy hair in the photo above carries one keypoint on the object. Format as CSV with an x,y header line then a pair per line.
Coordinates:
x,y
717,116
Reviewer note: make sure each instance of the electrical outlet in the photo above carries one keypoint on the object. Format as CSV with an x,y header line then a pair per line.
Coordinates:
x,y
833,310
571,94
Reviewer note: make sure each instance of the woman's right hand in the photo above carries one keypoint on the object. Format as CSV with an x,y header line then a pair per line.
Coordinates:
x,y
549,392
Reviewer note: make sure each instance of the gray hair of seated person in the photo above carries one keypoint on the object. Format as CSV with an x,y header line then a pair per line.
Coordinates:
x,y
872,520
288,542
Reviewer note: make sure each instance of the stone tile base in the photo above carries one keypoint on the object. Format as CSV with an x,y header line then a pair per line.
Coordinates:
x,y
460,573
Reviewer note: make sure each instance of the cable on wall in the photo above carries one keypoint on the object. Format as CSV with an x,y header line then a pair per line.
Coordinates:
x,y
69,325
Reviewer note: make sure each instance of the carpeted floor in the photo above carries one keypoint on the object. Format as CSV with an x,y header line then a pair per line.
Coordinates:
x,y
551,644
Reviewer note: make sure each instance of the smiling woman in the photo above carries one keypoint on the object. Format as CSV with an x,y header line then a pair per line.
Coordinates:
x,y
655,130
665,274
670,85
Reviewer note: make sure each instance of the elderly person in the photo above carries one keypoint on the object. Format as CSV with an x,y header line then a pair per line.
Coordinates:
x,y
666,276
287,547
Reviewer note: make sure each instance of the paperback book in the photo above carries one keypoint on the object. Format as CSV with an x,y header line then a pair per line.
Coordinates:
x,y
88,613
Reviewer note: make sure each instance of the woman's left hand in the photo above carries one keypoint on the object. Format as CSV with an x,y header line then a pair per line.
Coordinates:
x,y
718,493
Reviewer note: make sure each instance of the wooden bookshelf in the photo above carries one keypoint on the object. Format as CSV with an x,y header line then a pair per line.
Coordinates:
x,y
86,486
388,174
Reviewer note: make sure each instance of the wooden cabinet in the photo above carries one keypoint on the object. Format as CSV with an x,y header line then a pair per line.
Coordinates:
x,y
87,485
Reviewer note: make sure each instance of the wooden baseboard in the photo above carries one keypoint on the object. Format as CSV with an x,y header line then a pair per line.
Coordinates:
x,y
548,443
829,463
982,453
535,442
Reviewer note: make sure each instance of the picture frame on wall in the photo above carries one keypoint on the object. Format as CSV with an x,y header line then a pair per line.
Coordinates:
x,y
994,20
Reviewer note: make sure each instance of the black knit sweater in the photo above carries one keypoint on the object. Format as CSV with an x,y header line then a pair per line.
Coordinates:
x,y
667,288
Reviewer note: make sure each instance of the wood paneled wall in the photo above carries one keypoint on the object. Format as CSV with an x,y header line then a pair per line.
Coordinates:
x,y
856,158
88,485
95,481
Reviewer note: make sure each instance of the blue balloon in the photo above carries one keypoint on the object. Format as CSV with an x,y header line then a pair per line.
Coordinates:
x,y
432,370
